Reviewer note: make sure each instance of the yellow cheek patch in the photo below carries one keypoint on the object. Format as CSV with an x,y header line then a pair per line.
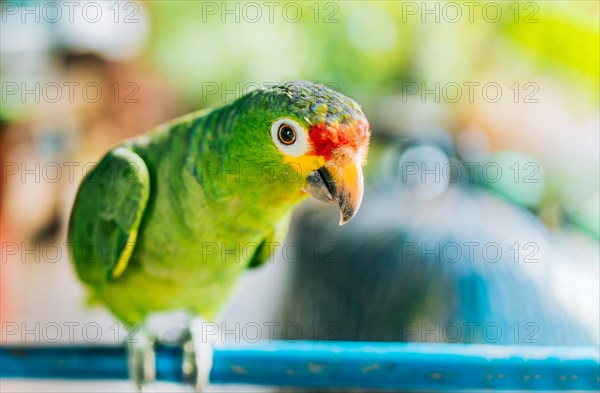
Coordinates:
x,y
304,164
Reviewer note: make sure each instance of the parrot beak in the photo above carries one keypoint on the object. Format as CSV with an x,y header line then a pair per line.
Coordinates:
x,y
341,181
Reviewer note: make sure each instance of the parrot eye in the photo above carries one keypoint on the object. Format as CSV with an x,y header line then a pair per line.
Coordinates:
x,y
290,137
286,135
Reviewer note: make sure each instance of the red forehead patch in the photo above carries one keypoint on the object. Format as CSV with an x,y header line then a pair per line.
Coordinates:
x,y
325,138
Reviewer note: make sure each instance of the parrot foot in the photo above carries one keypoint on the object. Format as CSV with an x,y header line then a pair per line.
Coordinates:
x,y
173,328
165,327
142,360
198,354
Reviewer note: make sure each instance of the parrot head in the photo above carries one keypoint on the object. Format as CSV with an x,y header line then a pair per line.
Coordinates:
x,y
319,134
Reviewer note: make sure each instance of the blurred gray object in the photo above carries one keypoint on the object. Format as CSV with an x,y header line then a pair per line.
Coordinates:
x,y
433,262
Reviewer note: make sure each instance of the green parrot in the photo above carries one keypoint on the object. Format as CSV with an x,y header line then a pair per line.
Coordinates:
x,y
169,220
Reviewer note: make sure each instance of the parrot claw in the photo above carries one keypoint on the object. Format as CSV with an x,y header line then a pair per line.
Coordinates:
x,y
198,354
142,360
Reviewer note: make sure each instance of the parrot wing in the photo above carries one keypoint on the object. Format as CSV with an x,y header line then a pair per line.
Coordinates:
x,y
107,214
272,241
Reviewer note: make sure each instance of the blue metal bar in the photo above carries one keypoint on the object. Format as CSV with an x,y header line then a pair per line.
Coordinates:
x,y
409,366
